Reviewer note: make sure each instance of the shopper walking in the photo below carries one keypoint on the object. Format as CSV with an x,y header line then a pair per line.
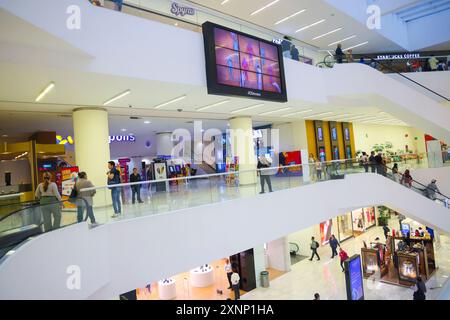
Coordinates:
x,y
264,175
379,163
339,53
235,279
314,246
113,179
229,272
386,231
342,257
365,161
406,179
431,190
419,294
334,243
84,198
136,189
372,161
319,170
50,202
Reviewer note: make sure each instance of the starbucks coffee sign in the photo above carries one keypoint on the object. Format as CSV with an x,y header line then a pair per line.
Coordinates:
x,y
398,56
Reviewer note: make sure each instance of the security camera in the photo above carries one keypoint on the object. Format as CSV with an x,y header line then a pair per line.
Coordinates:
x,y
180,110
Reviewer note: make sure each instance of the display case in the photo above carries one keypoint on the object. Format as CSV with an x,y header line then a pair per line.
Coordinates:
x,y
370,263
408,267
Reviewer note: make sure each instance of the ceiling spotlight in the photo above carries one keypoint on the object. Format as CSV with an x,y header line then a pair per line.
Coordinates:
x,y
123,130
147,122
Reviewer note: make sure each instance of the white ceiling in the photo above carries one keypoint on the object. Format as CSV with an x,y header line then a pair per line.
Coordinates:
x,y
316,10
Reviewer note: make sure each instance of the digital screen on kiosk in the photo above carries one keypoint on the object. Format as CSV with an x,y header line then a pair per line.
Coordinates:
x,y
239,64
334,134
355,279
319,134
171,169
346,134
178,168
405,229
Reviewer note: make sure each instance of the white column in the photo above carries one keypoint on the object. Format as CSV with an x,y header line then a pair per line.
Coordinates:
x,y
259,255
299,134
164,144
242,146
91,135
279,256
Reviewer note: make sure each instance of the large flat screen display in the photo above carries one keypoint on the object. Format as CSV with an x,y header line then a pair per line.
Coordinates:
x,y
354,278
239,64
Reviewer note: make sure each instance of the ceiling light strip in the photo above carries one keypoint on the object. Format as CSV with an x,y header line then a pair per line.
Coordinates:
x,y
170,102
44,92
119,96
328,33
356,46
223,2
297,113
311,25
265,7
247,108
318,115
213,105
342,40
291,16
274,111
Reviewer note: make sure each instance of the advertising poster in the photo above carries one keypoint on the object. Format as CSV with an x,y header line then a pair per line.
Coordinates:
x,y
66,181
354,279
325,231
160,171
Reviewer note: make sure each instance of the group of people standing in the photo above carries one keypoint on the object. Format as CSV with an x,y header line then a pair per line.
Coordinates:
x,y
375,162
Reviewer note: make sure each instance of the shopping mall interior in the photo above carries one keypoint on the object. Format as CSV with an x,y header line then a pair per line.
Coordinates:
x,y
227,138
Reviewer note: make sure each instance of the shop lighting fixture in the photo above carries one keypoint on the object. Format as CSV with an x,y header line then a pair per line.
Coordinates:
x,y
275,111
342,40
291,16
4,136
213,105
328,33
170,102
265,7
318,115
119,96
147,122
44,92
356,46
248,108
311,25
123,130
297,113
223,2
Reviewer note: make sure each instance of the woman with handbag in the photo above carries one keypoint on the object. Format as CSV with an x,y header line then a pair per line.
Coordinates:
x,y
84,198
50,202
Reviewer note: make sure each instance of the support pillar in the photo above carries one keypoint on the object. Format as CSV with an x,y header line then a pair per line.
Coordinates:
x,y
242,146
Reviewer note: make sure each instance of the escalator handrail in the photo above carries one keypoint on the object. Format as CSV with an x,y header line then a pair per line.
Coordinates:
x,y
16,203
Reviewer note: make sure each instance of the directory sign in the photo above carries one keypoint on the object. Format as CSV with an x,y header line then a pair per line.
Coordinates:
x,y
354,278
239,64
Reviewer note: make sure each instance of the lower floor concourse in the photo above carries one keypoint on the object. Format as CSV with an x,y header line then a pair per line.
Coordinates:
x,y
325,277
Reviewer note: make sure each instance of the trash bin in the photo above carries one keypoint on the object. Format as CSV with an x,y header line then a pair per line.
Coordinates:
x,y
264,279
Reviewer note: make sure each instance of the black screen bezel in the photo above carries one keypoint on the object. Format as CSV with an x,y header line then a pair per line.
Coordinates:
x,y
226,90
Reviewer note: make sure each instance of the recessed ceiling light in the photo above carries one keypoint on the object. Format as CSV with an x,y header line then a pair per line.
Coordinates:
x,y
318,114
311,25
291,16
176,24
213,105
170,102
297,113
117,97
342,40
147,122
328,33
123,130
4,136
248,108
265,7
274,111
44,92
356,46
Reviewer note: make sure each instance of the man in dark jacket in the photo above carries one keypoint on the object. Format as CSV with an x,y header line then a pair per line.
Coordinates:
x,y
372,161
334,244
136,189
379,163
339,53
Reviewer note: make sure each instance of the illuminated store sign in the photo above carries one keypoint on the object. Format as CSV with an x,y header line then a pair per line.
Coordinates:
x,y
125,138
179,10
399,56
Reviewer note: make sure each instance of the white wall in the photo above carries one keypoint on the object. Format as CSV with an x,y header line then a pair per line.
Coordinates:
x,y
367,135
204,233
20,171
442,175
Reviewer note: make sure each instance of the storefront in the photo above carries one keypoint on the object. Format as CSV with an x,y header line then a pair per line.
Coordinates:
x,y
355,223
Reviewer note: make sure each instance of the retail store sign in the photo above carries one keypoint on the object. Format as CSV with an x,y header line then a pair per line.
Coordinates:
x,y
180,10
277,41
125,138
398,56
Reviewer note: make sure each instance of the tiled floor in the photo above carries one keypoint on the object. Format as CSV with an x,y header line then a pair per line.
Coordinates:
x,y
326,278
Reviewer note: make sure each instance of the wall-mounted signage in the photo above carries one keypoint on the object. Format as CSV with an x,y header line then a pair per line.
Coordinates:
x,y
179,10
398,56
354,278
124,138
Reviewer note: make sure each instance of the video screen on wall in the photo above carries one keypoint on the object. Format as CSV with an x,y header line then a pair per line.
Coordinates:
x,y
239,64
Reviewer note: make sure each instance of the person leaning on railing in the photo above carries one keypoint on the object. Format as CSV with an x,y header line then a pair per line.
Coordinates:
x,y
431,190
48,195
